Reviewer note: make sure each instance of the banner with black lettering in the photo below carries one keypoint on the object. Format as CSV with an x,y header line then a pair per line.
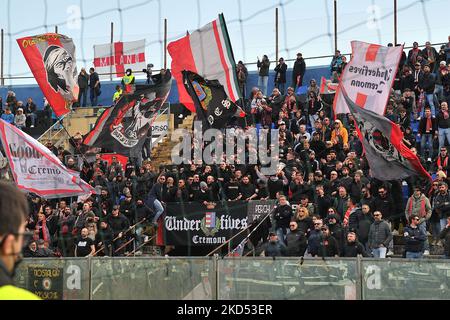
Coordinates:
x,y
194,224
259,208
36,169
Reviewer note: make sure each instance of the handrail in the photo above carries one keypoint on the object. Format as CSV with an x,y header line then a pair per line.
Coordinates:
x,y
49,130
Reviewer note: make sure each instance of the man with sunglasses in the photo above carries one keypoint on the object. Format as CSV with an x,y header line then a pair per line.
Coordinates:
x,y
380,236
414,239
13,213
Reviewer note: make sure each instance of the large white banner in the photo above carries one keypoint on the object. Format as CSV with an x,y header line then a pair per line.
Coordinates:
x,y
368,77
118,57
36,169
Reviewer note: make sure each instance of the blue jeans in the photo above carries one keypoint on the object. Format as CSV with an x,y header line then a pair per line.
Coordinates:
x,y
280,87
94,97
262,84
430,99
82,93
281,234
379,252
157,206
442,134
413,255
426,139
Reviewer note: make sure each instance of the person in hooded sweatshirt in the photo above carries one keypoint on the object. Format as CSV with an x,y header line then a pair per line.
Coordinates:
x,y
296,241
353,247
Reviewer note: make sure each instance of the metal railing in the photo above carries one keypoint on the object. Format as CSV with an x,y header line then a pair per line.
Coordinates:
x,y
54,130
214,278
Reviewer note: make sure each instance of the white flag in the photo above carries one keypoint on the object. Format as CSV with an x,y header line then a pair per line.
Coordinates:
x,y
118,57
36,169
368,77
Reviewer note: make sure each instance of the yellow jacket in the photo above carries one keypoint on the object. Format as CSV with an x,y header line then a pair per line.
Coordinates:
x,y
342,132
9,292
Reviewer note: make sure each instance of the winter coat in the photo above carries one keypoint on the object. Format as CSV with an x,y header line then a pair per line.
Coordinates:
x,y
379,234
296,243
414,239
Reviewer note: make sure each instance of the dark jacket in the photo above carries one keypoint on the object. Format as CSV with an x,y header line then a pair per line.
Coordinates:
x,y
280,73
441,121
328,247
352,249
423,126
445,234
282,216
263,67
363,229
296,243
299,69
276,249
427,83
83,80
379,234
118,224
414,239
385,206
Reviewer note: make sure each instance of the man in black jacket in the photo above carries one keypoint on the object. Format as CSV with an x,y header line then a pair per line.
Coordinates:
x,y
353,247
263,78
282,216
298,71
296,241
427,132
280,75
384,204
414,239
445,235
119,224
426,85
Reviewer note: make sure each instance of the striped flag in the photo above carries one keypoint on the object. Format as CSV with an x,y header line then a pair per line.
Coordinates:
x,y
368,77
210,219
207,52
119,56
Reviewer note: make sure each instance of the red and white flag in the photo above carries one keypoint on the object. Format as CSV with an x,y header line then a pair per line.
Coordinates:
x,y
327,86
119,57
368,77
51,58
36,169
208,53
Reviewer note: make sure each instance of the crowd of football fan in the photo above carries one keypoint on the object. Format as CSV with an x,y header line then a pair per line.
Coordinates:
x,y
341,209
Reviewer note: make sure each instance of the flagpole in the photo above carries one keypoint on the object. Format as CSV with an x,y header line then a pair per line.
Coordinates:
x,y
165,44
111,51
78,147
276,35
240,232
335,25
257,226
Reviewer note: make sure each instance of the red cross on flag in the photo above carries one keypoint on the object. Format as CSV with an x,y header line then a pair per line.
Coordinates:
x,y
368,77
119,57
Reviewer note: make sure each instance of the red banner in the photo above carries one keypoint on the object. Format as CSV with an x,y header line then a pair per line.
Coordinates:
x,y
51,58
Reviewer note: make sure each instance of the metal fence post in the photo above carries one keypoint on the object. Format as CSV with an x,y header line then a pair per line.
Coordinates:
x,y
359,278
216,269
90,276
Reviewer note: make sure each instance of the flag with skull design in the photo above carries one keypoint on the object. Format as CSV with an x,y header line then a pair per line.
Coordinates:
x,y
51,58
389,158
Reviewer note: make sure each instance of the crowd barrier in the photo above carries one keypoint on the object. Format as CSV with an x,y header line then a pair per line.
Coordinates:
x,y
215,278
